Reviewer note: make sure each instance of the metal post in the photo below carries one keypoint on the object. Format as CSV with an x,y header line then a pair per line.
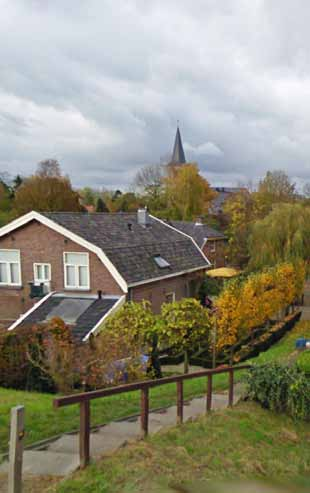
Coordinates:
x,y
144,411
231,388
209,393
180,402
84,433
214,341
16,449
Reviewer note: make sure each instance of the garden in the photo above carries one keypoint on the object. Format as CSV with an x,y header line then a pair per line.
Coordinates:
x,y
41,361
249,314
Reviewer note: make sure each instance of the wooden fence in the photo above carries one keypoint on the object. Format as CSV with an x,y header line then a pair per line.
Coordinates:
x,y
84,399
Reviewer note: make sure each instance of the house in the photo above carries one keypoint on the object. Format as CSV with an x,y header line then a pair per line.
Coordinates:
x,y
222,195
212,243
82,267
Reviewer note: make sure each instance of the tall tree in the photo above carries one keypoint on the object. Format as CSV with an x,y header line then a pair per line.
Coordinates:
x,y
49,168
125,202
188,194
283,235
17,181
88,195
306,190
6,202
149,180
101,206
275,188
47,190
240,211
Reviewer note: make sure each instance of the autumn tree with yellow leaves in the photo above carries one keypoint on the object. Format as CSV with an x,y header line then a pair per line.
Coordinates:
x,y
188,194
245,305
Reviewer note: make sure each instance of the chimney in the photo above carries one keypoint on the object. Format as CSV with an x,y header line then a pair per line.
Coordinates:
x,y
143,217
198,222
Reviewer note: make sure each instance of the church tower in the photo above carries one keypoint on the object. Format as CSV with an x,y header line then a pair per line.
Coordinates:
x,y
178,156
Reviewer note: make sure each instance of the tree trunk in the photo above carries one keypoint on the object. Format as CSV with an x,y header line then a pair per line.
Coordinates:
x,y
186,361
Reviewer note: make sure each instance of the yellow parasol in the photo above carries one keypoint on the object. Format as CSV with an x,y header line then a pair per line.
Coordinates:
x,y
223,272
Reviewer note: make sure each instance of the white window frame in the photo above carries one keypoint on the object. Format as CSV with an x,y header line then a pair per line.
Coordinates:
x,y
171,293
76,266
42,264
213,246
9,283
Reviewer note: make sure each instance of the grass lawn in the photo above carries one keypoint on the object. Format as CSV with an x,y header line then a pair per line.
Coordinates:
x,y
244,444
42,421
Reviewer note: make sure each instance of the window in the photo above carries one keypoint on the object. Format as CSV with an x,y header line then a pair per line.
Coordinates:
x,y
76,270
213,246
42,273
161,262
10,274
170,297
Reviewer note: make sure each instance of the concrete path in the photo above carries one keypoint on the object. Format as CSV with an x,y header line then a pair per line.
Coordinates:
x,y
305,313
61,458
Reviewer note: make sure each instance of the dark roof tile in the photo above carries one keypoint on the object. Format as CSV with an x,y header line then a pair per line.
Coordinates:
x,y
199,232
132,250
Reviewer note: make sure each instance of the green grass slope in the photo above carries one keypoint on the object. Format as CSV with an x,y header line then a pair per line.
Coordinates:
x,y
245,443
42,421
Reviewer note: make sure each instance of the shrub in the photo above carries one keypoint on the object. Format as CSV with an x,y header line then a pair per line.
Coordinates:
x,y
16,371
268,384
280,388
245,304
52,350
303,362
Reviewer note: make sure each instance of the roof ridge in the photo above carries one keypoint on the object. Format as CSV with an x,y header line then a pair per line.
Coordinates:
x,y
106,249
86,213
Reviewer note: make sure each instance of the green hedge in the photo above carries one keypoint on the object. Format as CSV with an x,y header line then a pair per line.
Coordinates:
x,y
303,362
280,388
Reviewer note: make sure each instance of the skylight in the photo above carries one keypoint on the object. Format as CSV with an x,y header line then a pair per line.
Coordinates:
x,y
161,262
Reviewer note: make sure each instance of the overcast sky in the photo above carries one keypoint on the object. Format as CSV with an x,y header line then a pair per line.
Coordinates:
x,y
100,84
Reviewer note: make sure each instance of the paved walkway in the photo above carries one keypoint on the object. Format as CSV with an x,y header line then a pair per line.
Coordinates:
x,y
61,458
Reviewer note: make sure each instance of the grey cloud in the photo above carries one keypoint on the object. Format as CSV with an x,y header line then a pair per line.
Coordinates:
x,y
101,84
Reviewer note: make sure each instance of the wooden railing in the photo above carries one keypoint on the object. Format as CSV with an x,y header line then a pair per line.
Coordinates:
x,y
84,399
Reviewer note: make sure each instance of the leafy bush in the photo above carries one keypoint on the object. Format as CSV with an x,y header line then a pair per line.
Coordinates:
x,y
16,371
280,388
211,286
303,362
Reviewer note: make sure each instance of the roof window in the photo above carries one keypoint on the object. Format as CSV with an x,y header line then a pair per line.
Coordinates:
x,y
161,262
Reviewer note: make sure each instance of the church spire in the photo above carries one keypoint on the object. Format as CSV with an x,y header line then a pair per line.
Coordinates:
x,y
178,156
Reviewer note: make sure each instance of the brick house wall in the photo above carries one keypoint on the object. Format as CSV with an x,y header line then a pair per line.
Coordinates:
x,y
39,244
159,292
216,251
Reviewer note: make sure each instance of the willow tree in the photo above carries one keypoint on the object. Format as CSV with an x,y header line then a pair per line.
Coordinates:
x,y
283,235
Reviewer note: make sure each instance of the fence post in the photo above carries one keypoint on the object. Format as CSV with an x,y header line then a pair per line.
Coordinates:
x,y
209,393
144,411
84,433
180,402
16,449
231,388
